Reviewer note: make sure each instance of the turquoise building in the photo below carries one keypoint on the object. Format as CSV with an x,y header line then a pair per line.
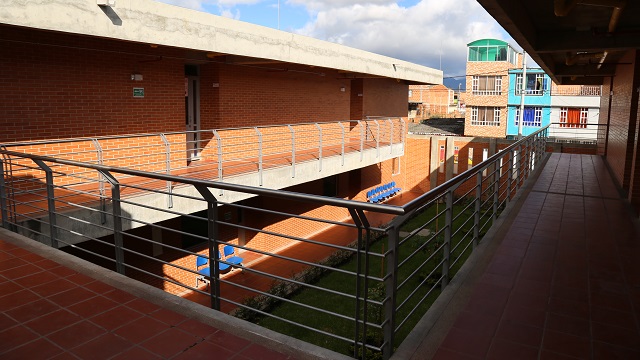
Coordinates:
x,y
537,101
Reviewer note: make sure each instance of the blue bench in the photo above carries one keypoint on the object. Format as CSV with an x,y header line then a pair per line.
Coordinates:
x,y
382,192
230,258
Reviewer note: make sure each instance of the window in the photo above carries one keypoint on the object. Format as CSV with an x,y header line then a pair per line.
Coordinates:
x,y
486,85
532,116
536,84
485,116
574,117
492,53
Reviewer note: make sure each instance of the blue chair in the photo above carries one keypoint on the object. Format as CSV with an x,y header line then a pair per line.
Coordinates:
x,y
230,256
202,261
206,272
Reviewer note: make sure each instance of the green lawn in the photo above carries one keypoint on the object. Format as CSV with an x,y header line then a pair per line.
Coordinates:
x,y
424,254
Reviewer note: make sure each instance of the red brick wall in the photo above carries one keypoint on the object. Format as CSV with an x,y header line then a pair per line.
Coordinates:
x,y
385,97
621,130
59,92
604,114
415,165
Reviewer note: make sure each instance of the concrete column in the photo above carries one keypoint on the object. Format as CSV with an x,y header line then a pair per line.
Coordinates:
x,y
448,163
434,162
156,236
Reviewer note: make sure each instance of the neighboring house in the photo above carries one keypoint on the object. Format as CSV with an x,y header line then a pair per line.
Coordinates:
x,y
487,84
575,112
426,101
537,101
571,110
493,98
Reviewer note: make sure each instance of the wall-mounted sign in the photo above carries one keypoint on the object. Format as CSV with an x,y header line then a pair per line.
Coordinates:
x,y
138,92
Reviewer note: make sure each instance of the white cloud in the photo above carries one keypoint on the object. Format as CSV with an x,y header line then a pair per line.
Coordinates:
x,y
199,4
317,5
426,33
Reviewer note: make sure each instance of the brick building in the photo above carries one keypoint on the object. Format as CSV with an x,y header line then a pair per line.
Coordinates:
x,y
433,101
487,84
154,87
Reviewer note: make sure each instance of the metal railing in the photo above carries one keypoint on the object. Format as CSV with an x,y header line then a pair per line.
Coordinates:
x,y
577,90
581,133
359,290
221,153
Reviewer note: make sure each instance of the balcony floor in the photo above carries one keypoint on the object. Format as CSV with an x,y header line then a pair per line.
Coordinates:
x,y
563,281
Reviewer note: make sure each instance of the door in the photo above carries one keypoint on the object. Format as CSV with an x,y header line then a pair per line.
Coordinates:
x,y
192,112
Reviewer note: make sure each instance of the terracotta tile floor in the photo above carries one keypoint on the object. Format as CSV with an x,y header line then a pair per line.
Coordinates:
x,y
565,281
50,311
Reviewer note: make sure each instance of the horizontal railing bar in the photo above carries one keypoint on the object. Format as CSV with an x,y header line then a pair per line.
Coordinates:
x,y
410,296
269,315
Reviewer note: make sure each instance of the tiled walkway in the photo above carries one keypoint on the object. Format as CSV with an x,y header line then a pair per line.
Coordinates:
x,y
48,310
565,281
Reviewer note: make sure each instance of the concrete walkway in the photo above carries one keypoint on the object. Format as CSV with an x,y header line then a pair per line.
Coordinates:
x,y
559,280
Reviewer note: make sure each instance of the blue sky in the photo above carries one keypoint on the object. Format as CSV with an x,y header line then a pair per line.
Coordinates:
x,y
433,33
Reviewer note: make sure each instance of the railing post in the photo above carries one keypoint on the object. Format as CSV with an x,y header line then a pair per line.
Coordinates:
x,y
9,194
361,140
509,176
293,151
516,172
117,220
532,152
342,150
167,159
391,287
51,203
448,219
496,195
476,216
103,200
4,212
212,240
360,220
259,155
219,144
319,147
377,139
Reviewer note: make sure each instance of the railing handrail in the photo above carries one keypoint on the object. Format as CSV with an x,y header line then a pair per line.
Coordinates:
x,y
140,135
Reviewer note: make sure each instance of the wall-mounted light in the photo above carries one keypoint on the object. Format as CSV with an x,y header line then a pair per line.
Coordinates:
x,y
136,77
109,3
343,89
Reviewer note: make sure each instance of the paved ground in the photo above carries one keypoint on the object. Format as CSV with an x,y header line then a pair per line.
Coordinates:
x,y
59,309
563,281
